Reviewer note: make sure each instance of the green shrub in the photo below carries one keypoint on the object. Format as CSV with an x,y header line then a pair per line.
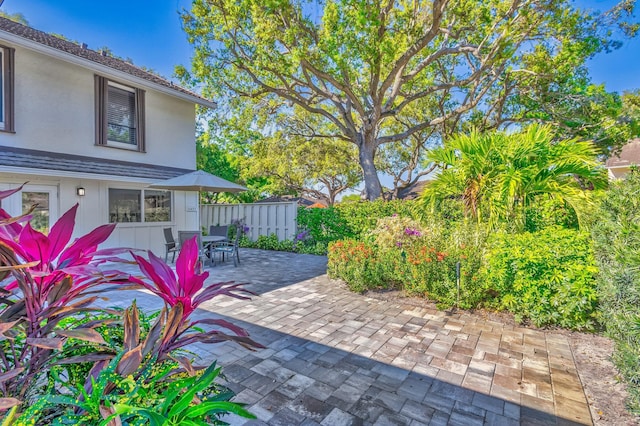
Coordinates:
x,y
547,212
419,259
356,264
616,235
362,217
547,277
323,225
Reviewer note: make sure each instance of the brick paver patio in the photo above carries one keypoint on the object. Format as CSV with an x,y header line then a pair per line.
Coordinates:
x,y
338,358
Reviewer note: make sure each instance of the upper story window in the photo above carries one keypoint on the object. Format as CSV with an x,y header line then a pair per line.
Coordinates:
x,y
6,88
119,115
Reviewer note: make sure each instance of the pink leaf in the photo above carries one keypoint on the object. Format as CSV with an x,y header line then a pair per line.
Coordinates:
x,y
6,403
9,192
86,245
61,231
35,245
161,286
188,259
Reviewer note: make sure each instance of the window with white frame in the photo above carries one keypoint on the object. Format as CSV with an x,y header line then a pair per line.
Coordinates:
x,y
135,205
6,88
119,115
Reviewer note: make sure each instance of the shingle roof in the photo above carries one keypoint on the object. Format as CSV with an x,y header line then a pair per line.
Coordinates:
x,y
630,154
57,43
20,157
413,191
303,201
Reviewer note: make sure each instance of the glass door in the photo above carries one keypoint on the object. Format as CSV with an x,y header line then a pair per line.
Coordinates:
x,y
45,198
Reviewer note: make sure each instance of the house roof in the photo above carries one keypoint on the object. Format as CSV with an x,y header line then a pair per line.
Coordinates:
x,y
33,159
630,154
302,201
31,38
413,191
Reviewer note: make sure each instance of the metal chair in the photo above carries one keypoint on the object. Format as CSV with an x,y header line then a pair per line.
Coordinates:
x,y
230,247
170,245
219,230
187,235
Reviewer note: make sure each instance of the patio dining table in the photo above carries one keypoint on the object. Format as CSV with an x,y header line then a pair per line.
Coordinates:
x,y
211,240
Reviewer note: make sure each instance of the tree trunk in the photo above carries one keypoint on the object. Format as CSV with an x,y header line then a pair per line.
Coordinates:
x,y
366,154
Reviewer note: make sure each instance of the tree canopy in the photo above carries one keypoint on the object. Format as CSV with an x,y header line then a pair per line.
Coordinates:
x,y
379,73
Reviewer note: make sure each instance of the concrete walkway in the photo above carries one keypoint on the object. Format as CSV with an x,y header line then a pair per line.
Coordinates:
x,y
338,358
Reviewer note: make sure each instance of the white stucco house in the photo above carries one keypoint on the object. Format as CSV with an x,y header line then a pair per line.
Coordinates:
x,y
619,165
83,127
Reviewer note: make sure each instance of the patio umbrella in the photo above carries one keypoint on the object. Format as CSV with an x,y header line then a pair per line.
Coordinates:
x,y
200,181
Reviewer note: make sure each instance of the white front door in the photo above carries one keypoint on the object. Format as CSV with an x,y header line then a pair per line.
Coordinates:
x,y
45,197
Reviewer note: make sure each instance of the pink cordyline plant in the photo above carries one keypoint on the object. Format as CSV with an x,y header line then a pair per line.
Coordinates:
x,y
183,286
52,259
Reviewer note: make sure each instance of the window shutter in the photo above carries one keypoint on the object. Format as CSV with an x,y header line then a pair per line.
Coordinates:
x,y
140,130
101,107
8,90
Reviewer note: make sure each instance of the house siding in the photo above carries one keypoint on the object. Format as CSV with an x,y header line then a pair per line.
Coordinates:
x,y
55,112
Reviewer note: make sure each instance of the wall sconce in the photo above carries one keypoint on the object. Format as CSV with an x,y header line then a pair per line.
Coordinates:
x,y
80,191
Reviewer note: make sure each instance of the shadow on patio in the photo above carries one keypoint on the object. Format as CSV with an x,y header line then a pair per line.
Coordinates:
x,y
334,357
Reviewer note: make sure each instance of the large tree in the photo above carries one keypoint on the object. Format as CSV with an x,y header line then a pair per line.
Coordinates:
x,y
380,72
321,169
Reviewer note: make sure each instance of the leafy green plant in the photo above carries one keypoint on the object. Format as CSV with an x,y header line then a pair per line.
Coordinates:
x,y
547,277
497,175
356,264
616,235
186,401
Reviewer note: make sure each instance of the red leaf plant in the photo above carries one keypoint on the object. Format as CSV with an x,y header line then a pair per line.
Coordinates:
x,y
43,280
183,292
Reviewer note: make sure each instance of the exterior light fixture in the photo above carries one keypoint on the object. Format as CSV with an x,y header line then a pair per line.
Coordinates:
x,y
80,191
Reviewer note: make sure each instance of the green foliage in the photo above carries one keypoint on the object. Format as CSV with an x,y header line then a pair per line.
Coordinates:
x,y
295,164
355,263
360,218
418,258
547,277
547,211
324,225
268,242
387,78
616,235
497,176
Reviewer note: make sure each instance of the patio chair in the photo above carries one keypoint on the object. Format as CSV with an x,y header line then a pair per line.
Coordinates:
x,y
230,247
187,235
219,230
170,245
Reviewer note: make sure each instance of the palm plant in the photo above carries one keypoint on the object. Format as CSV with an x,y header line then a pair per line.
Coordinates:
x,y
496,175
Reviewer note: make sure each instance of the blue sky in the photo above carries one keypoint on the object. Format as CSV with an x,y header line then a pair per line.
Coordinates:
x,y
149,32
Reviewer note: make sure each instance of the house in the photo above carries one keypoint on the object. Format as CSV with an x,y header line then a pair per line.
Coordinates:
x,y
83,127
302,201
619,165
413,191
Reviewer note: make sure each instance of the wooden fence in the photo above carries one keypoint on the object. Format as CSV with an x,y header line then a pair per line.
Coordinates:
x,y
261,218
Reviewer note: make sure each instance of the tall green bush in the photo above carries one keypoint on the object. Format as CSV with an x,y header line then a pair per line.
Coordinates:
x,y
362,217
548,277
616,235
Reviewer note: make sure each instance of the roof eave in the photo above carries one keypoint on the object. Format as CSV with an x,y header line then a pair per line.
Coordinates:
x,y
103,69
